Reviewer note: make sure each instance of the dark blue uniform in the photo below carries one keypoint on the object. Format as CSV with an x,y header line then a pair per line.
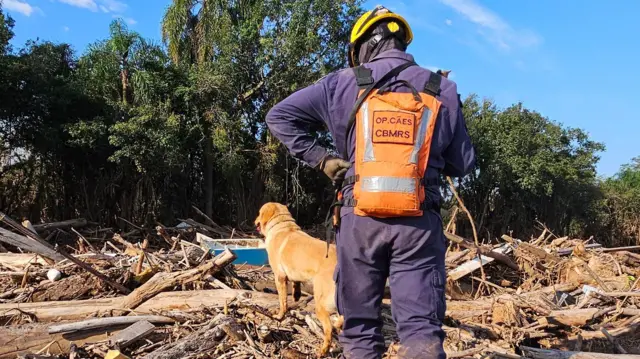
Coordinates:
x,y
409,251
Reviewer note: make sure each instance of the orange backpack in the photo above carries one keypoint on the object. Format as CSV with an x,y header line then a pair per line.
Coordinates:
x,y
393,135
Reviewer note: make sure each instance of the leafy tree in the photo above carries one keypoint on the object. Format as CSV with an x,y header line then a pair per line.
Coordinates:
x,y
243,58
6,31
622,193
529,168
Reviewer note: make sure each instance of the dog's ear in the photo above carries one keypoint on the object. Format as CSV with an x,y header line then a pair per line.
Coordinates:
x,y
268,211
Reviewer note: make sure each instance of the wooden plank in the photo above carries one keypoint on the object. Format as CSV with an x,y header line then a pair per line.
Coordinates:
x,y
474,264
100,323
137,331
33,337
483,250
28,244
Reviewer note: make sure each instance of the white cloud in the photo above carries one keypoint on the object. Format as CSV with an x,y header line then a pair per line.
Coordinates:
x,y
128,20
113,6
65,28
86,4
492,27
104,5
19,6
448,22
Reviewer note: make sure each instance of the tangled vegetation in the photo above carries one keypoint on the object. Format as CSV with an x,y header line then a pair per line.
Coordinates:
x,y
145,131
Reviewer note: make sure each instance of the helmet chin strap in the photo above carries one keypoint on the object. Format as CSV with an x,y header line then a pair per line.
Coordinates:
x,y
370,47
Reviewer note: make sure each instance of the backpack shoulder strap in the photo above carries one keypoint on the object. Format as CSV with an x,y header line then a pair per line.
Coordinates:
x,y
365,92
364,76
433,84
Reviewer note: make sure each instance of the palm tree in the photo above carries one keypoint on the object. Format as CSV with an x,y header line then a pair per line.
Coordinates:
x,y
189,30
123,44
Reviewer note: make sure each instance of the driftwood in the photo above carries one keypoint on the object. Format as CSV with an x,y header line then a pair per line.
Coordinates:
x,y
76,223
501,258
476,263
203,340
162,281
28,244
572,317
134,332
4,218
535,353
107,322
33,337
185,301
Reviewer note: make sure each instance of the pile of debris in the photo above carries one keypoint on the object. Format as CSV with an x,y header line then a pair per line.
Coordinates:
x,y
165,293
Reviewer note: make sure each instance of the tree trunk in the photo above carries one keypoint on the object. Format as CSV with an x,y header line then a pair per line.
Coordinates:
x,y
208,171
185,301
124,78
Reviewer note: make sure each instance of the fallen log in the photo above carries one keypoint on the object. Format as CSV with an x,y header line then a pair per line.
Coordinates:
x,y
183,300
33,337
76,223
163,281
101,323
28,244
535,353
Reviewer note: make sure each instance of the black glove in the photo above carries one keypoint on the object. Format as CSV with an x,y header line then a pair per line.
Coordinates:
x,y
334,168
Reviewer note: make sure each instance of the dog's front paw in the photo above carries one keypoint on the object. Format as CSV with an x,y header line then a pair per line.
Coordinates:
x,y
279,315
323,351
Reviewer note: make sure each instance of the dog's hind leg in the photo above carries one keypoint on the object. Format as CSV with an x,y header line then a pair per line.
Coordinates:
x,y
281,287
325,320
297,291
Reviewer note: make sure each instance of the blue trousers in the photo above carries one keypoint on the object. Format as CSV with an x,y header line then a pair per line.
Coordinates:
x,y
410,252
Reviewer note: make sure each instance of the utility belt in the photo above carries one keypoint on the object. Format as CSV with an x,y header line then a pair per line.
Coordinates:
x,y
332,221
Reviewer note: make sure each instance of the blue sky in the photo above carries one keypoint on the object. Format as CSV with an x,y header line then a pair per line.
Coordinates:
x,y
573,61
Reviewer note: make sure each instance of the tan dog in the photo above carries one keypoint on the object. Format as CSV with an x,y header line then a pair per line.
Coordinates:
x,y
296,256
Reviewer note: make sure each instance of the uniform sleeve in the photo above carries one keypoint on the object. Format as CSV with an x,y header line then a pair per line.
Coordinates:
x,y
459,156
290,121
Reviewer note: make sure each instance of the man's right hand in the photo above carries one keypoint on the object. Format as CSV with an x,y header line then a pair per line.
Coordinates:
x,y
335,168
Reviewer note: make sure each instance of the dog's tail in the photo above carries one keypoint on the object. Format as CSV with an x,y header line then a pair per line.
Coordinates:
x,y
297,291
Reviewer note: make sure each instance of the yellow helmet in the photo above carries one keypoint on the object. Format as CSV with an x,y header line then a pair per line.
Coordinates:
x,y
370,18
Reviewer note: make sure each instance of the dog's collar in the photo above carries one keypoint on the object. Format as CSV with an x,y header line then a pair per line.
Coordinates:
x,y
270,226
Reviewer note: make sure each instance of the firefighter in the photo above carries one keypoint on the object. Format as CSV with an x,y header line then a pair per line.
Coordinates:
x,y
397,127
